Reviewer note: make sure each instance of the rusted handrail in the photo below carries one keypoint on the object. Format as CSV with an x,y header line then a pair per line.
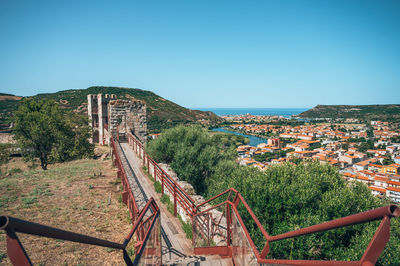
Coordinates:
x,y
362,217
22,226
370,256
18,255
180,195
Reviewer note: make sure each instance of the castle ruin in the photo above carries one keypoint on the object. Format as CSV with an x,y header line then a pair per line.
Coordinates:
x,y
110,116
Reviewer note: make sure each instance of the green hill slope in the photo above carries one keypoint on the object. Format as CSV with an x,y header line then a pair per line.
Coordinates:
x,y
161,113
389,112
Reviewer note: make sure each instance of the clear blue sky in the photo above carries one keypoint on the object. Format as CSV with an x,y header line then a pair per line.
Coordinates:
x,y
207,53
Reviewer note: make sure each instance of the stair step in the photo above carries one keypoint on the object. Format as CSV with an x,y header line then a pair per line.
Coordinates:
x,y
201,261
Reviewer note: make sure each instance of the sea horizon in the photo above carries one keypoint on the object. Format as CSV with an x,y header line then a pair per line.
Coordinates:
x,y
254,111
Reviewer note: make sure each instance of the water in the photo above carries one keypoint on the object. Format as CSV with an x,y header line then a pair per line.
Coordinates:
x,y
254,141
286,112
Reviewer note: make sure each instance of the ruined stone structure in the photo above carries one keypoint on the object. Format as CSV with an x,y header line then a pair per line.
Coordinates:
x,y
128,116
107,115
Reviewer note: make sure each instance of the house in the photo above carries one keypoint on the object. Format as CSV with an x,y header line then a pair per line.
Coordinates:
x,y
363,179
278,161
395,184
374,167
393,193
334,162
363,165
247,161
349,176
349,159
392,169
376,191
391,149
259,166
367,173
381,182
305,137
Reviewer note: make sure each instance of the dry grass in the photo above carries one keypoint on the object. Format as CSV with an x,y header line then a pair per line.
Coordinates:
x,y
72,196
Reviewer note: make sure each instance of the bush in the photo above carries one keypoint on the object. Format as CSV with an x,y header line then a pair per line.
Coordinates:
x,y
170,206
192,153
157,187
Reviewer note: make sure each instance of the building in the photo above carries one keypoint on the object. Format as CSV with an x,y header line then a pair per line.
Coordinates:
x,y
393,193
392,169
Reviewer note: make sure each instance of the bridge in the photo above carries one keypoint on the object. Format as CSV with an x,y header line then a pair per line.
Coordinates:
x,y
219,235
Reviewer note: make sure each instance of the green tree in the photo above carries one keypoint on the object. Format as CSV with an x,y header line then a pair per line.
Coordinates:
x,y
388,159
4,153
44,131
191,152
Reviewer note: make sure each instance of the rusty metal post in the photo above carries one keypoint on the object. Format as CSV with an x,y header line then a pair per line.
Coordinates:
x,y
15,250
378,243
175,212
228,224
162,184
208,229
148,164
125,196
194,232
154,168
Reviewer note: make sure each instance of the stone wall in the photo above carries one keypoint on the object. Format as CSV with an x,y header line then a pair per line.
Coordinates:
x,y
120,115
128,116
6,137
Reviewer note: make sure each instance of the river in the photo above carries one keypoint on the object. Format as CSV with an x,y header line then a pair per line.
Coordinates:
x,y
254,141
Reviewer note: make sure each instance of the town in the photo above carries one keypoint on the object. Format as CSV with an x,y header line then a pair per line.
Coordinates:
x,y
367,152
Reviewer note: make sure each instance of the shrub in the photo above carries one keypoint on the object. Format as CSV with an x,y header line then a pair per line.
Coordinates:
x,y
157,187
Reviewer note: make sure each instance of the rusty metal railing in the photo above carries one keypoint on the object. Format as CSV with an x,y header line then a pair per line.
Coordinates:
x,y
231,230
18,255
370,256
168,185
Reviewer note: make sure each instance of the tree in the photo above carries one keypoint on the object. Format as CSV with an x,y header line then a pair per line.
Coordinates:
x,y
388,159
44,131
191,152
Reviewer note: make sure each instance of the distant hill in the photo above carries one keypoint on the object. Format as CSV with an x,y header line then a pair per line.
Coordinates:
x,y
161,113
388,112
8,103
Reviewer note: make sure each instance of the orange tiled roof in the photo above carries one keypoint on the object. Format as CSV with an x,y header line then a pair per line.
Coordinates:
x,y
394,189
382,190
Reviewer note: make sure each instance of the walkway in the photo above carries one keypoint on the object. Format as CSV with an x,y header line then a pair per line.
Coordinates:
x,y
142,188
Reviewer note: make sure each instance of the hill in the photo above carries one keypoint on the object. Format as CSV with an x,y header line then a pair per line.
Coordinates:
x,y
389,112
161,113
8,103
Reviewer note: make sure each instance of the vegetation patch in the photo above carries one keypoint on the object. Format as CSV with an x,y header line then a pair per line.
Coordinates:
x,y
66,197
157,187
384,112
